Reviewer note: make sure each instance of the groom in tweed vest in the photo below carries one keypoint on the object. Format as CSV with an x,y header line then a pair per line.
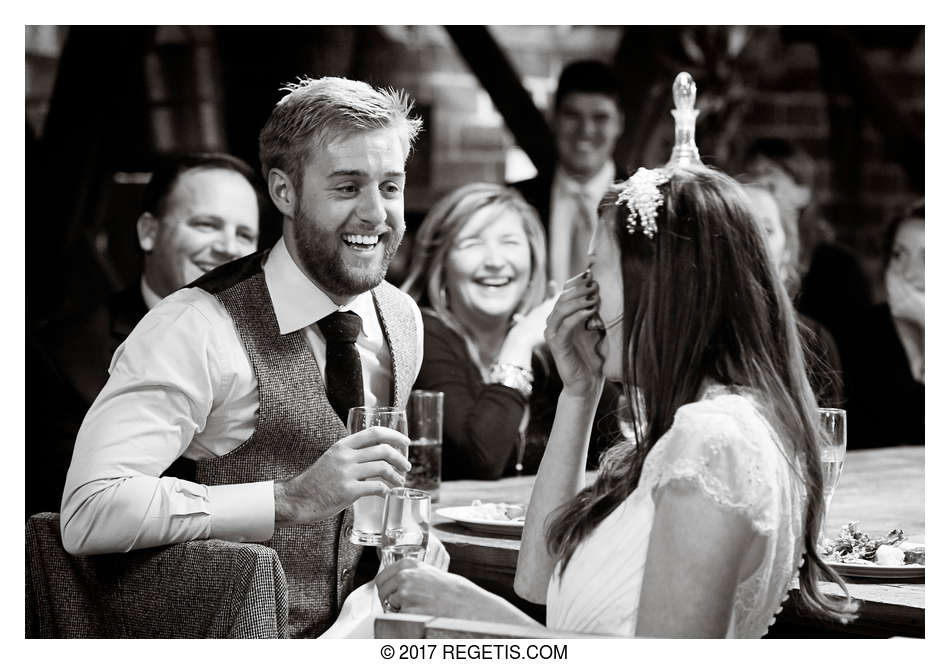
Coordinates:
x,y
229,377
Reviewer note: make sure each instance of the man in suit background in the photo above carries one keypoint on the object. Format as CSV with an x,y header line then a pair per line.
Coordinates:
x,y
198,211
587,123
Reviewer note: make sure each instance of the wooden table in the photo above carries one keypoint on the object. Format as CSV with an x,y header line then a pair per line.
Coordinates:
x,y
882,489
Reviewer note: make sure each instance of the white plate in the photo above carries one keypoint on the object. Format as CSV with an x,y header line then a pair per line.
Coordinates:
x,y
871,570
465,515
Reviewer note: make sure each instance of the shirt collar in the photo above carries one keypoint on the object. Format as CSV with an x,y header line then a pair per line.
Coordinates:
x,y
298,302
593,189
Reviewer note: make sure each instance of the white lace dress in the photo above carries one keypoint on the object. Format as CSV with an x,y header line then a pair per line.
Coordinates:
x,y
724,447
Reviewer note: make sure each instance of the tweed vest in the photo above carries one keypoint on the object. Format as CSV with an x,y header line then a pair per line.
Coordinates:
x,y
295,425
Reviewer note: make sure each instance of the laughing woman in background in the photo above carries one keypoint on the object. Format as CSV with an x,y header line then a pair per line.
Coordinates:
x,y
478,274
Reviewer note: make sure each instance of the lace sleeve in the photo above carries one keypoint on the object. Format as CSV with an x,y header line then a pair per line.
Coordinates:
x,y
724,455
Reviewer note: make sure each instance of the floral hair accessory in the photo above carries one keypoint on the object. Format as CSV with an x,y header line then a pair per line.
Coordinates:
x,y
642,195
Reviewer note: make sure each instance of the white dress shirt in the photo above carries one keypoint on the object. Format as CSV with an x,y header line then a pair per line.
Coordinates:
x,y
563,225
182,385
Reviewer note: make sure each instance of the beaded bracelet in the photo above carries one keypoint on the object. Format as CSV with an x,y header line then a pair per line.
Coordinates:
x,y
513,376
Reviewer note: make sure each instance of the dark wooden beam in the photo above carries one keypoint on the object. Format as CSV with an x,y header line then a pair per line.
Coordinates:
x,y
846,149
96,124
256,61
496,74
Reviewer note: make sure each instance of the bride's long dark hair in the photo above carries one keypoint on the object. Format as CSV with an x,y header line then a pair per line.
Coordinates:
x,y
703,300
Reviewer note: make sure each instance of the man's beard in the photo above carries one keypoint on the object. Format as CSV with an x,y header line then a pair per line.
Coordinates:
x,y
319,250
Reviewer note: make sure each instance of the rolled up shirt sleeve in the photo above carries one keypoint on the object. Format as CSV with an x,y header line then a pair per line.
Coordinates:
x,y
175,370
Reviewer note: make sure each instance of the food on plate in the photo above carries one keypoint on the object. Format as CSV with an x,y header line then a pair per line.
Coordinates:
x,y
889,555
511,512
913,553
853,546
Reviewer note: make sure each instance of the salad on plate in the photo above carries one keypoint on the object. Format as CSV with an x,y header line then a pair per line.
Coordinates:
x,y
854,547
506,512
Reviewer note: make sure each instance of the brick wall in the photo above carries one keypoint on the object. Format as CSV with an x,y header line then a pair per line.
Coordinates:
x,y
791,103
466,136
468,140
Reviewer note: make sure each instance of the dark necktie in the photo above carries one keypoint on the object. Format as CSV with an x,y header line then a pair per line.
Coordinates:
x,y
344,375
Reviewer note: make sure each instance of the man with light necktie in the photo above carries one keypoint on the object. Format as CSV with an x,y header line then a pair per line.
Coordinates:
x,y
248,372
587,124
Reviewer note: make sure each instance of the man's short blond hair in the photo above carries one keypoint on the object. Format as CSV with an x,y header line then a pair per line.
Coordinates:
x,y
330,108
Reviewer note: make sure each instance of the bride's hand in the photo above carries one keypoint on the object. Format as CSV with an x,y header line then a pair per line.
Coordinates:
x,y
574,347
411,586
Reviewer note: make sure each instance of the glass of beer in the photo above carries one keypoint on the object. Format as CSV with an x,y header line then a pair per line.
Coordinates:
x,y
368,510
834,443
425,441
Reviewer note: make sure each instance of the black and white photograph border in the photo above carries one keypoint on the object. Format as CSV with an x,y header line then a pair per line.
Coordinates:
x,y
451,149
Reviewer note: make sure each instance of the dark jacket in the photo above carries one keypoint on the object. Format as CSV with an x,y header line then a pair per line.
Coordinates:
x,y
835,293
885,402
537,191
67,365
480,432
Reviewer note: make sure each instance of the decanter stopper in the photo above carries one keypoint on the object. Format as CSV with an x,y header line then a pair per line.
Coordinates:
x,y
685,151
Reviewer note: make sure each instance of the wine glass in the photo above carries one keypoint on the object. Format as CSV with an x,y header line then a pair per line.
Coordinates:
x,y
406,518
368,510
834,443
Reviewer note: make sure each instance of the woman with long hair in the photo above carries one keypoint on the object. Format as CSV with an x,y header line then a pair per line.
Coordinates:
x,y
698,525
885,370
479,276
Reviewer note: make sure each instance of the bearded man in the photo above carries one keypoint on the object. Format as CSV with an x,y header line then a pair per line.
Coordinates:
x,y
239,373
